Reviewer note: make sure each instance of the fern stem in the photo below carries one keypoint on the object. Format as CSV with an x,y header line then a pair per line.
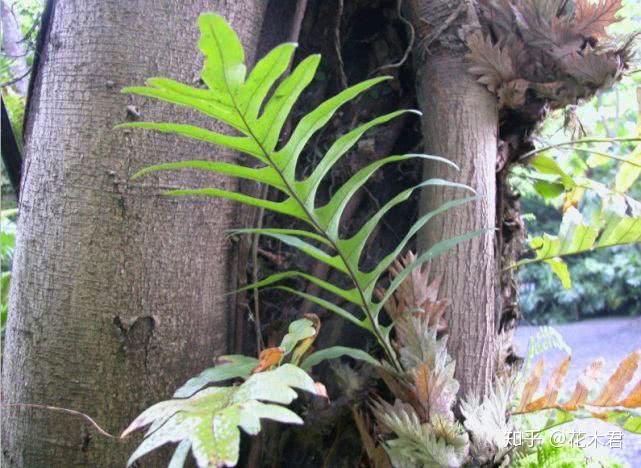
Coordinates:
x,y
388,350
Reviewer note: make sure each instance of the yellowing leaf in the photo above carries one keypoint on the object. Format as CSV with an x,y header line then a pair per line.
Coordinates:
x,y
268,358
303,346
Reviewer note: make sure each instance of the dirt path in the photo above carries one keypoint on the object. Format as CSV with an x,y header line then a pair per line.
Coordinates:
x,y
612,339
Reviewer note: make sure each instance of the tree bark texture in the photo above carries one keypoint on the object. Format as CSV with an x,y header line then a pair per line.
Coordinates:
x,y
460,122
13,48
117,292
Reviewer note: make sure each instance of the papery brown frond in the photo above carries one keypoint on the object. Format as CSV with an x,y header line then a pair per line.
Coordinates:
x,y
546,51
552,390
633,399
586,381
593,68
491,64
610,396
591,18
532,385
417,295
435,391
617,382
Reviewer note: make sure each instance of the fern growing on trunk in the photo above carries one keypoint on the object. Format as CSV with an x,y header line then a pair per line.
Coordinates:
x,y
246,103
237,100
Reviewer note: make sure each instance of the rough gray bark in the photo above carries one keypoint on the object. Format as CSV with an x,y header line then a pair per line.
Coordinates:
x,y
14,49
117,292
460,122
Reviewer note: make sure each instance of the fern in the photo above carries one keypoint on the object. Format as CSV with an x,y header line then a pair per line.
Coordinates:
x,y
612,403
236,100
207,420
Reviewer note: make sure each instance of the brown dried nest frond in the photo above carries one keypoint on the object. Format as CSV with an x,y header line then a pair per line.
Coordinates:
x,y
555,52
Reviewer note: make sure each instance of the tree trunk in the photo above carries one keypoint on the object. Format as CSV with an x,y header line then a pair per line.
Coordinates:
x,y
460,122
117,292
13,49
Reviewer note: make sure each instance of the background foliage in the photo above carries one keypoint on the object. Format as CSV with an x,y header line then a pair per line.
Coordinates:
x,y
605,282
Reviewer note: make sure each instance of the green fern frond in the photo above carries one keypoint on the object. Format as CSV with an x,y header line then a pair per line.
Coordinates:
x,y
243,102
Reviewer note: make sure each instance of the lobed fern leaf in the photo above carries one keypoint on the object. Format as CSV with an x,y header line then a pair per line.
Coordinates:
x,y
243,102
577,237
208,422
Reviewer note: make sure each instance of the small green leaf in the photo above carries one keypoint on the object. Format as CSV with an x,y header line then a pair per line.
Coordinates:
x,y
340,147
329,215
268,127
210,419
288,207
287,157
262,78
431,253
298,331
224,69
265,175
547,165
231,367
548,190
628,173
327,305
287,232
243,144
349,295
180,455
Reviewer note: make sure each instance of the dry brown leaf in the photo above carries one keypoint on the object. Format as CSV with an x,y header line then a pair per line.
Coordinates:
x,y
596,69
610,395
532,385
617,382
583,385
492,64
633,400
591,18
422,384
416,294
552,389
267,358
